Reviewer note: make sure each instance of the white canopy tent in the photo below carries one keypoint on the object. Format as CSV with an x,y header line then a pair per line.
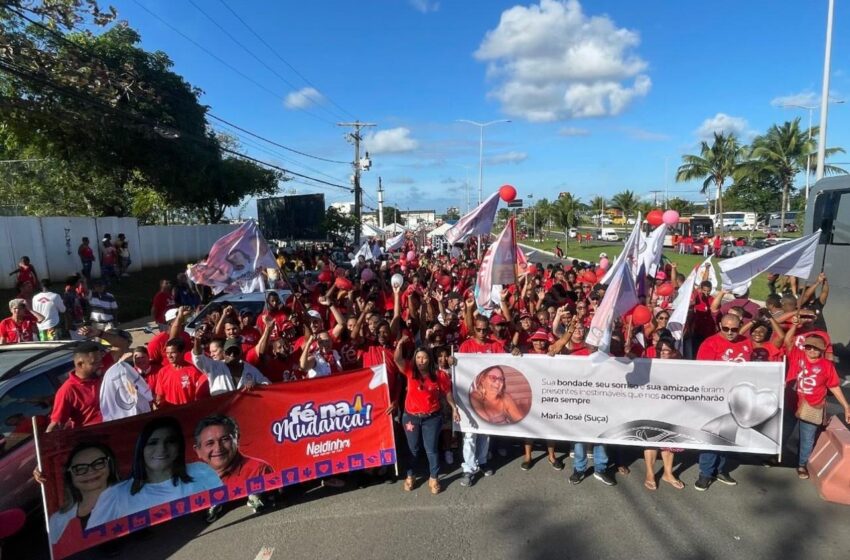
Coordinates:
x,y
440,231
394,228
368,230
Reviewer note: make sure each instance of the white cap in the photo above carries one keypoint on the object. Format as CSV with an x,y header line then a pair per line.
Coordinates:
x,y
170,315
314,314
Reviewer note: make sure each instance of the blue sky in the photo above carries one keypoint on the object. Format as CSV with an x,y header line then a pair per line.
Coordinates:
x,y
600,94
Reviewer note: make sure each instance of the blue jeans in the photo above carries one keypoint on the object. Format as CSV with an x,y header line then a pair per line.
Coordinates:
x,y
711,464
808,433
424,430
87,270
475,449
600,458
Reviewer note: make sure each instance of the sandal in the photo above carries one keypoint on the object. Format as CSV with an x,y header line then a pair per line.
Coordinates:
x,y
650,485
623,470
408,483
802,473
675,483
434,485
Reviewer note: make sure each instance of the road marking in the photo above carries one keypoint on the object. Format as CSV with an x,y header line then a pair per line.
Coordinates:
x,y
265,553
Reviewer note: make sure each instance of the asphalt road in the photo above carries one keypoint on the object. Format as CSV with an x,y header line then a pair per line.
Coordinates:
x,y
515,514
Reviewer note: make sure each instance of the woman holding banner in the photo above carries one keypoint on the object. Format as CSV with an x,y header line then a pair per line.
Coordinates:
x,y
426,387
665,349
159,474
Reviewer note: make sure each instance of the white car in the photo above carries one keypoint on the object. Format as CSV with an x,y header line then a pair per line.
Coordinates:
x,y
607,234
573,232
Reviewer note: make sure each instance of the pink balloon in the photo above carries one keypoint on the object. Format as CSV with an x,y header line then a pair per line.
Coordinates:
x,y
411,255
367,275
670,217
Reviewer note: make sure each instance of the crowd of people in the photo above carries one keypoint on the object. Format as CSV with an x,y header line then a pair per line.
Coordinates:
x,y
412,314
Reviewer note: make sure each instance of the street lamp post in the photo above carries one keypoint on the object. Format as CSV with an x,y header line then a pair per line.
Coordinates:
x,y
810,109
481,126
533,219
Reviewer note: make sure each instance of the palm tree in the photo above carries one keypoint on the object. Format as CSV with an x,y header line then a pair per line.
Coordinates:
x,y
681,206
627,201
566,211
714,165
597,206
783,153
544,211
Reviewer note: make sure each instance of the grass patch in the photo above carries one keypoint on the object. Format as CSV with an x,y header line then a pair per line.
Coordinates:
x,y
133,293
759,289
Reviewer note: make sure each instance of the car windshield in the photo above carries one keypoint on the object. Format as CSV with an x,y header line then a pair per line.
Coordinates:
x,y
11,358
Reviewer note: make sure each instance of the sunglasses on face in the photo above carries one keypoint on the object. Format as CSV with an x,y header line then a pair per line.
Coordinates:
x,y
730,329
496,378
84,468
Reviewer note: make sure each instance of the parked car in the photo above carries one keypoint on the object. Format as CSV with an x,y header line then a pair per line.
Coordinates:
x,y
254,302
573,232
30,375
607,234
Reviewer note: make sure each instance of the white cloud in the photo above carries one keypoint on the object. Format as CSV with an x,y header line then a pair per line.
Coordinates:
x,y
303,98
507,157
573,131
390,141
805,98
425,6
553,62
721,122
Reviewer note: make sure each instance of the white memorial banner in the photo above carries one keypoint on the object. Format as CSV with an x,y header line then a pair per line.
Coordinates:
x,y
719,406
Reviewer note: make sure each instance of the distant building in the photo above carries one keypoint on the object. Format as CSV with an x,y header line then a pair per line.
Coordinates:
x,y
416,218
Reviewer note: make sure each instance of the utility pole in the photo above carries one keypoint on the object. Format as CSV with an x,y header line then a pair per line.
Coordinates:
x,y
355,138
380,204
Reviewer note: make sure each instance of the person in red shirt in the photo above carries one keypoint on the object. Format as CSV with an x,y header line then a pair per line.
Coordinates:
x,y
250,334
426,387
176,319
767,339
178,382
77,402
163,300
22,326
729,346
26,273
217,444
381,351
275,358
86,255
572,341
812,376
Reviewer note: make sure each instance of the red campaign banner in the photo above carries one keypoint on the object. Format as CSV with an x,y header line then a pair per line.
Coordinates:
x,y
111,479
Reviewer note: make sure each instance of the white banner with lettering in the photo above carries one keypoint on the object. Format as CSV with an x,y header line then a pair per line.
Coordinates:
x,y
721,406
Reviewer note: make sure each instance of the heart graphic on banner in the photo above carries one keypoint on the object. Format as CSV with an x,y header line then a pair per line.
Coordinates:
x,y
750,407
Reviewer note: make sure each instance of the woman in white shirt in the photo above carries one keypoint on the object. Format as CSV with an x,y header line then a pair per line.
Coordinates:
x,y
159,474
321,361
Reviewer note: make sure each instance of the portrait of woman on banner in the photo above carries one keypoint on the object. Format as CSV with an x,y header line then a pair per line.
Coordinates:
x,y
159,474
493,402
90,469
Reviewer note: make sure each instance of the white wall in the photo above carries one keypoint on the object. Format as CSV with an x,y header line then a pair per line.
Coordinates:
x,y
51,243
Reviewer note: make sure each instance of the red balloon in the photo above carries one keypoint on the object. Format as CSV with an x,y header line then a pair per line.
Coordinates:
x,y
664,289
507,193
445,281
655,218
641,315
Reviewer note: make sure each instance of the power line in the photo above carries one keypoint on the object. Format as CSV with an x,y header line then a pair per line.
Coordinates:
x,y
272,142
291,67
89,99
222,61
249,51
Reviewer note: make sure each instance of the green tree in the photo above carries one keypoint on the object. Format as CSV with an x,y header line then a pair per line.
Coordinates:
x,y
338,226
597,205
714,165
680,205
627,201
566,213
779,155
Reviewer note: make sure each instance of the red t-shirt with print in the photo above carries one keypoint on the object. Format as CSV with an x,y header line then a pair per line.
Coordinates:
x,y
717,348
472,346
12,332
813,379
423,397
178,385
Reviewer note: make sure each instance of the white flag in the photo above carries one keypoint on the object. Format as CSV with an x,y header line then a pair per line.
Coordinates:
x,y
629,255
794,258
498,266
395,243
682,304
620,297
478,222
654,248
365,251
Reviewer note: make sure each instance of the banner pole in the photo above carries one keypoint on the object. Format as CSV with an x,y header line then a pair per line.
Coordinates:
x,y
43,489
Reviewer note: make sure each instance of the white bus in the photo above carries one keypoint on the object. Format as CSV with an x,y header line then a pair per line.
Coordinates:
x,y
739,220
